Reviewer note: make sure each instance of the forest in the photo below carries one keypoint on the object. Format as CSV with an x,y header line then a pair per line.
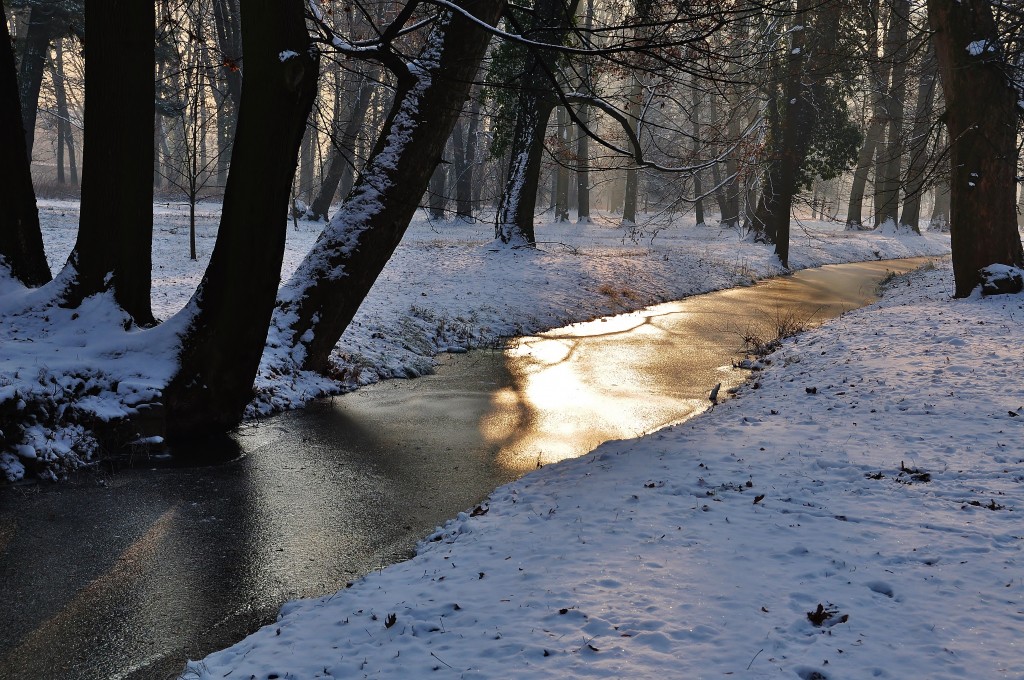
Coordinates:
x,y
887,115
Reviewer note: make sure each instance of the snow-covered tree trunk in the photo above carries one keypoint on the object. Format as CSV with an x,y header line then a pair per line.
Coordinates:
x,y
550,23
982,116
316,305
21,241
224,325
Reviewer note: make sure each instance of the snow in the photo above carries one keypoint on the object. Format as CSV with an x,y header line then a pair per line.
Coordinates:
x,y
979,47
853,517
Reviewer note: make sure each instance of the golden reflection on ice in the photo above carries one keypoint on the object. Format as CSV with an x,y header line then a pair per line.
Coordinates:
x,y
616,378
620,377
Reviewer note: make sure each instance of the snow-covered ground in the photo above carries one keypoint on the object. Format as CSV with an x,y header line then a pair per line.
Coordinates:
x,y
855,516
447,288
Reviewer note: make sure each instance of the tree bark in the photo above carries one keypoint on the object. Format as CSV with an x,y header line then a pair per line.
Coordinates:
x,y
319,301
982,119
227,318
21,241
227,22
114,245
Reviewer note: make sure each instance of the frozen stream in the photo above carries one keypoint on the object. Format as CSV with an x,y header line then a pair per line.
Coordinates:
x,y
127,574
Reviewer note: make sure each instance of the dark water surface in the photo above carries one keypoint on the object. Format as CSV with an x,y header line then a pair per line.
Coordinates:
x,y
128,574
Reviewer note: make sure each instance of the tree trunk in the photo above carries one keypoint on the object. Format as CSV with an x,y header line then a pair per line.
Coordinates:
x,y
319,301
919,143
550,23
808,63
981,116
21,241
890,156
227,20
342,159
463,169
731,190
35,48
878,82
634,110
436,199
114,246
582,139
227,318
854,211
698,188
465,204
307,156
562,160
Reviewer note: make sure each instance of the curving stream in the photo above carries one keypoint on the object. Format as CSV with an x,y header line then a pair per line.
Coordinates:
x,y
127,574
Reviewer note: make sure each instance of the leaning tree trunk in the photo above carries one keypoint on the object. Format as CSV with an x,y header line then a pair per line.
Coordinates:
x,y
981,116
319,301
21,241
114,246
225,322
